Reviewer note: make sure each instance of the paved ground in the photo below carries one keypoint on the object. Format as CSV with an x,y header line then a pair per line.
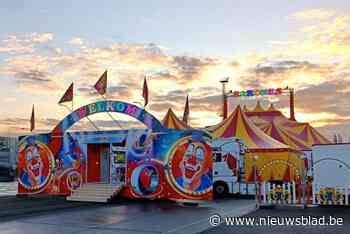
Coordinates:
x,y
339,212
127,217
8,188
14,208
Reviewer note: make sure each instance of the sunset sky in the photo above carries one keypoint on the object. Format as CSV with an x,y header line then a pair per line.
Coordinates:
x,y
183,47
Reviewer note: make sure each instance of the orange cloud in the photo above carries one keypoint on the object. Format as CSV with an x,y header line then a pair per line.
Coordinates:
x,y
313,14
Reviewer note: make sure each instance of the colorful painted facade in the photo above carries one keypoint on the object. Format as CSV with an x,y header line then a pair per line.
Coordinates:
x,y
156,162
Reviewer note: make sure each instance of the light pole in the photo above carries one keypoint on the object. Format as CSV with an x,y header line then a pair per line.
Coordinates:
x,y
224,81
255,158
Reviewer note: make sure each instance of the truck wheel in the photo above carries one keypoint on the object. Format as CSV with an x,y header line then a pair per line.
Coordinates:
x,y
220,189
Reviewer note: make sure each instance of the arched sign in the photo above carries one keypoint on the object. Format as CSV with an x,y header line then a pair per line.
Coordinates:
x,y
110,106
99,107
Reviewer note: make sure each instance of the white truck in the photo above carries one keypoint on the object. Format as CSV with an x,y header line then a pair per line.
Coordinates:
x,y
228,167
331,165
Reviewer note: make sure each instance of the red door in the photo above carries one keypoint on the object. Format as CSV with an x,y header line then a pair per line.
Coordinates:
x,y
93,169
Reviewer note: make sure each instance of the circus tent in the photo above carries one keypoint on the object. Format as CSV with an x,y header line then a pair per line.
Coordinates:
x,y
300,136
238,125
274,157
170,120
282,135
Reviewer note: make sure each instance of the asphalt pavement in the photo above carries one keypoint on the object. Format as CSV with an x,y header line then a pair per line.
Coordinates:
x,y
126,217
8,188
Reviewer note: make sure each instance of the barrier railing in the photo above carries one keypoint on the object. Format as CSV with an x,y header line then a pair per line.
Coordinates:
x,y
326,195
277,193
302,194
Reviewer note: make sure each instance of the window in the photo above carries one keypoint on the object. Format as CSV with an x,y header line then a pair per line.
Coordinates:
x,y
217,156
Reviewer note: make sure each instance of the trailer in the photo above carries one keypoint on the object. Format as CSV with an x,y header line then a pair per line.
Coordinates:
x,y
8,158
331,164
154,163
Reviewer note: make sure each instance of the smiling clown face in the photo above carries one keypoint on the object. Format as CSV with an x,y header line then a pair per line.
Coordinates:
x,y
34,164
192,165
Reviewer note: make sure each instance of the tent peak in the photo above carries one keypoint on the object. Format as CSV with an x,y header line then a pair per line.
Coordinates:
x,y
258,107
272,108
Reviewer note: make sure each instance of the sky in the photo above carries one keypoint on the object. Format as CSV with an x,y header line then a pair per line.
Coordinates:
x,y
184,48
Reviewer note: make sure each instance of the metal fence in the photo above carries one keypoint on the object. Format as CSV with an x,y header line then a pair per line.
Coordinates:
x,y
326,195
302,194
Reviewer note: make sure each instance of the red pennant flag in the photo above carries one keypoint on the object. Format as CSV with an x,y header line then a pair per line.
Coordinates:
x,y
32,120
101,84
68,95
145,92
186,111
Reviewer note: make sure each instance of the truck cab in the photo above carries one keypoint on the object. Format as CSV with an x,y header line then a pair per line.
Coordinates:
x,y
228,165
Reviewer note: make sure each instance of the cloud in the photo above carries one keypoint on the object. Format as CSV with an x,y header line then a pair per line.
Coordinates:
x,y
20,126
202,103
14,44
322,35
297,74
321,82
31,73
278,67
282,43
113,92
313,14
190,68
76,41
41,37
162,107
327,97
234,64
32,76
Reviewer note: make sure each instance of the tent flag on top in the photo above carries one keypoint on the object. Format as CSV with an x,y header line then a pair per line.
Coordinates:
x,y
145,92
32,120
101,84
68,95
186,112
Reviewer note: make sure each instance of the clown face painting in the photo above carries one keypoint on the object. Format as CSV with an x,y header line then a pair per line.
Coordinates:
x,y
191,167
35,165
33,173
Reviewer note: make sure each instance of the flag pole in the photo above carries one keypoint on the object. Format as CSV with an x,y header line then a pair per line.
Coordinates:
x,y
68,97
101,88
